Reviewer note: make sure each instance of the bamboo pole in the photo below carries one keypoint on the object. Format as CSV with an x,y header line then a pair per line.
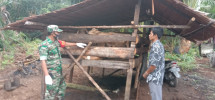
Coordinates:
x,y
88,76
128,26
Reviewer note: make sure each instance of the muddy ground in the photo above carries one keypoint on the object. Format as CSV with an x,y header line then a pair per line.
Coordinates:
x,y
197,84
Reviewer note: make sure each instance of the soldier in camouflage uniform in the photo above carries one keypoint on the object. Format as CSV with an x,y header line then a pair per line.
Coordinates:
x,y
51,63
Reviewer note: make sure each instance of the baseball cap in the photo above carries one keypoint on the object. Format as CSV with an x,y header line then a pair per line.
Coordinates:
x,y
52,28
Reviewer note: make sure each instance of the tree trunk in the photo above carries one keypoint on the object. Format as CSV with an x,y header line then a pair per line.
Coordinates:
x,y
109,52
86,38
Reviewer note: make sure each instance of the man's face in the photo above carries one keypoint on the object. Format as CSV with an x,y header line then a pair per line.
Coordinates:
x,y
152,36
56,34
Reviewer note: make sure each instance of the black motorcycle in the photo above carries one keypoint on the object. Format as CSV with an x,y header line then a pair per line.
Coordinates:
x,y
171,73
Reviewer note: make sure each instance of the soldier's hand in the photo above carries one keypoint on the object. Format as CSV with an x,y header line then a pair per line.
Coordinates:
x,y
48,80
81,45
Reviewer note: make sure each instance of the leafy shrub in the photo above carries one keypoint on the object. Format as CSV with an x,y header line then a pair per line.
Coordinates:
x,y
185,61
16,43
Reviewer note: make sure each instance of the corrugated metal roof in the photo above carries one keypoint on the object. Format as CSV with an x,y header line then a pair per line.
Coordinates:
x,y
121,12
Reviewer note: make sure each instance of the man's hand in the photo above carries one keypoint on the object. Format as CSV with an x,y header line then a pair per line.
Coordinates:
x,y
48,80
145,75
148,71
81,45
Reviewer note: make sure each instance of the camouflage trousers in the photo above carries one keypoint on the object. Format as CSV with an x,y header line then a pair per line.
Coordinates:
x,y
55,88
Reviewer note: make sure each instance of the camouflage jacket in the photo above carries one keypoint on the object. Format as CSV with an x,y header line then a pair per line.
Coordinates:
x,y
49,51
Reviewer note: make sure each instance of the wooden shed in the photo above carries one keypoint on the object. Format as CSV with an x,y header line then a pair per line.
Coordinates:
x,y
109,14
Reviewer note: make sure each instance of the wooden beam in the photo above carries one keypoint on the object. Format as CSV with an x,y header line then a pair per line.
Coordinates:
x,y
188,24
106,64
107,27
109,52
85,38
125,26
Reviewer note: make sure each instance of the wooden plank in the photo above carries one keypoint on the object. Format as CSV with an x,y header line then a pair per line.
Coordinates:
x,y
109,52
106,64
85,38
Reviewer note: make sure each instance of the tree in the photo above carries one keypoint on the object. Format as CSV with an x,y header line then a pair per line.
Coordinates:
x,y
207,6
24,8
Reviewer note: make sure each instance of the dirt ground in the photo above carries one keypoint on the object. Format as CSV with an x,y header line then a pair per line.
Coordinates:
x,y
197,84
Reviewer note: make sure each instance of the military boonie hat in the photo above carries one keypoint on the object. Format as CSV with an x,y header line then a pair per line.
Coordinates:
x,y
52,28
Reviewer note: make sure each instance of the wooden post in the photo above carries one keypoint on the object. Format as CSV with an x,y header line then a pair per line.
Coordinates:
x,y
131,61
138,71
43,86
89,77
71,74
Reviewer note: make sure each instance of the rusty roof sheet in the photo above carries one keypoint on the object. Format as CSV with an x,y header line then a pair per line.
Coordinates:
x,y
121,12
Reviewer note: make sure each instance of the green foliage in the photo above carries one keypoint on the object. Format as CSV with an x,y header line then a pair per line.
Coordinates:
x,y
170,42
207,6
7,59
16,43
185,61
24,8
192,3
32,46
76,1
